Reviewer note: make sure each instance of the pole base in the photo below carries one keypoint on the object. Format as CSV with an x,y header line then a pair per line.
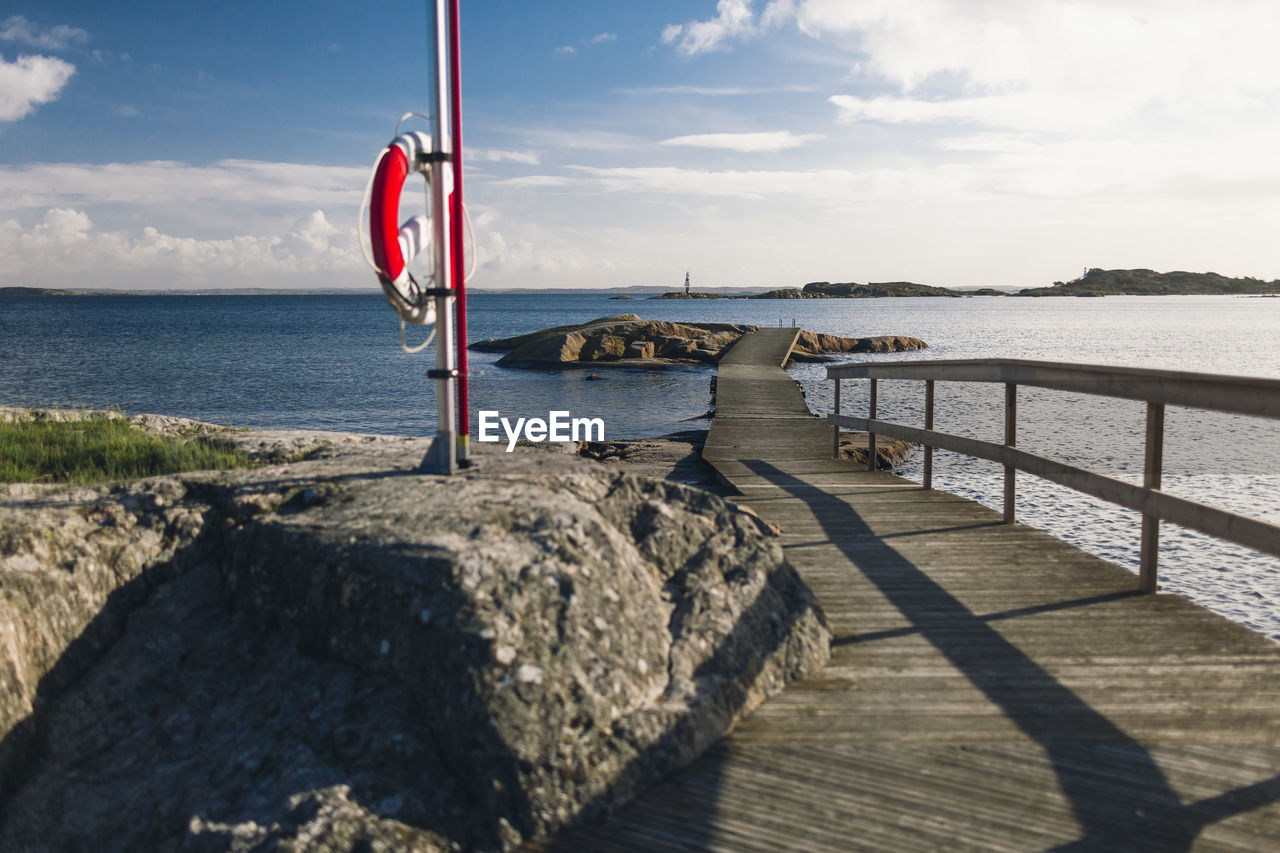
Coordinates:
x,y
440,458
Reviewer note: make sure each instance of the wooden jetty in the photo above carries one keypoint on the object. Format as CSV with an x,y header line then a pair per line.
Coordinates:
x,y
990,688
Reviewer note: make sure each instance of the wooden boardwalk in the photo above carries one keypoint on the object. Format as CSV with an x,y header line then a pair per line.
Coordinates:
x,y
990,688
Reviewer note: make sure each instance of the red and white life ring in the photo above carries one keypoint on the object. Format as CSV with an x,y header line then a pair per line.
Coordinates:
x,y
395,244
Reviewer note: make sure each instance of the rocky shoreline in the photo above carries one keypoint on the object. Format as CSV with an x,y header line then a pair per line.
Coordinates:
x,y
626,340
335,652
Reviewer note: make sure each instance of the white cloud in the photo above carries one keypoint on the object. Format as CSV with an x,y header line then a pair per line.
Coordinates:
x,y
66,245
735,19
777,13
165,187
535,181
1022,111
19,29
1073,64
778,140
583,139
565,49
1064,62
498,256
131,225
30,81
1009,168
498,155
817,185
715,91
601,38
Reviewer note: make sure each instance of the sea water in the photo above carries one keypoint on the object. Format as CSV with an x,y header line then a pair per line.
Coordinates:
x,y
334,362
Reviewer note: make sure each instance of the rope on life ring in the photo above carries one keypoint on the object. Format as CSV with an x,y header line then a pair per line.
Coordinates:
x,y
394,244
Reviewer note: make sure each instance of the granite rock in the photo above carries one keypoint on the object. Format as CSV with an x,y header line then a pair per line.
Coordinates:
x,y
340,653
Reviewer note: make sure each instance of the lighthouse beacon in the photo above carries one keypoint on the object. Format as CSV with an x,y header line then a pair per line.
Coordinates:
x,y
686,282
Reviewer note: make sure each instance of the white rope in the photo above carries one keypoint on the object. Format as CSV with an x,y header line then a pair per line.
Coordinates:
x,y
466,214
404,346
407,116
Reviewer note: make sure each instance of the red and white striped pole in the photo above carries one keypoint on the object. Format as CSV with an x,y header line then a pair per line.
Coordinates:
x,y
456,221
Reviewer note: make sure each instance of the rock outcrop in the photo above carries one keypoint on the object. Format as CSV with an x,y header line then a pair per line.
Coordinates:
x,y
876,289
890,452
343,654
813,346
625,340
696,294
790,293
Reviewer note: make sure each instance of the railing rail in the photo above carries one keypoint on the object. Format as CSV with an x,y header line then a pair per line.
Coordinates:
x,y
1158,388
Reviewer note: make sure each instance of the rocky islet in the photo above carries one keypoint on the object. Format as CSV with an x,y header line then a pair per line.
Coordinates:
x,y
626,340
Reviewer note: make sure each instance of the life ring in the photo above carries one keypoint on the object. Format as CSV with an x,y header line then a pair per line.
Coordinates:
x,y
394,244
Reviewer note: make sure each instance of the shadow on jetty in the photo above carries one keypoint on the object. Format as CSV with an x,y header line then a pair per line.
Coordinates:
x,y
1087,751
1112,783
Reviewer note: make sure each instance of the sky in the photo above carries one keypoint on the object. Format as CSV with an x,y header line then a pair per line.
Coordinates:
x,y
756,144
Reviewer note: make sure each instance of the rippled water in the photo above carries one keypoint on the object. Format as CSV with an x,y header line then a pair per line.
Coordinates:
x,y
332,362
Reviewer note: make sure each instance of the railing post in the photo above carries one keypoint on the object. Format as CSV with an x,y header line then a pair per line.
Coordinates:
x,y
871,436
835,428
1153,469
1010,439
928,424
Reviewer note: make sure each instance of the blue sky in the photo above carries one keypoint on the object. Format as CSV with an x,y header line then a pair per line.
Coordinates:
x,y
765,143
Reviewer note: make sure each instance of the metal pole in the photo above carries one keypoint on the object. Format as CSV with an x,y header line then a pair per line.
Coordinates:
x,y
928,424
871,436
456,219
441,458
835,428
1151,478
1010,439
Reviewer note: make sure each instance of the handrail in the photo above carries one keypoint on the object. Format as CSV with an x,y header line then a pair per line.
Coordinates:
x,y
1232,394
1241,395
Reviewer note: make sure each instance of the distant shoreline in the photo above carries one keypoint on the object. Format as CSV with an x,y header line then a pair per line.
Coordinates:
x,y
1094,282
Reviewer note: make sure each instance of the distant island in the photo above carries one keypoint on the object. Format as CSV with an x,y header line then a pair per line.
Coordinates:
x,y
875,289
828,290
34,291
1095,282
1099,282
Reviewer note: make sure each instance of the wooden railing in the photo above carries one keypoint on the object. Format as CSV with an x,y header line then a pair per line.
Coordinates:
x,y
1158,388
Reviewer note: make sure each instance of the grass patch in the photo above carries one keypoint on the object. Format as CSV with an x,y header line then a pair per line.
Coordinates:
x,y
94,451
